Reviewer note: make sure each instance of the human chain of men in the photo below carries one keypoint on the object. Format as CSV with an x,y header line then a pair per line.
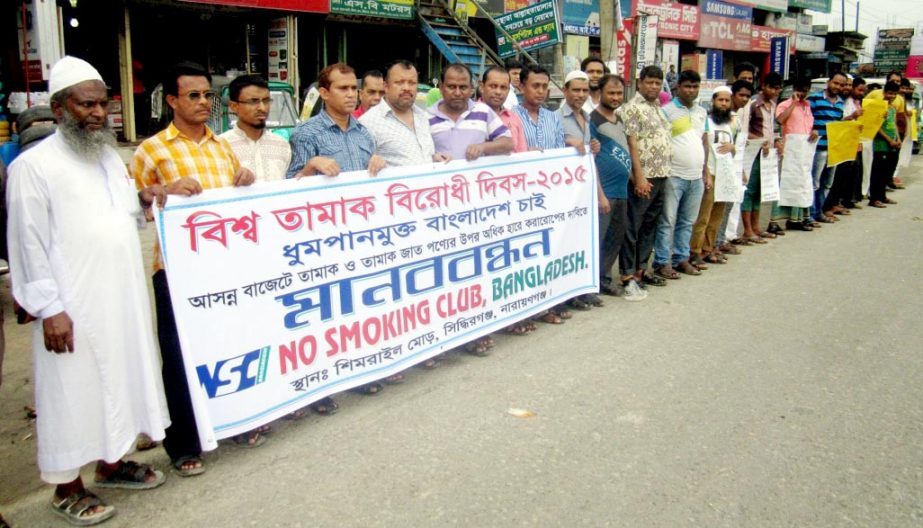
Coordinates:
x,y
663,166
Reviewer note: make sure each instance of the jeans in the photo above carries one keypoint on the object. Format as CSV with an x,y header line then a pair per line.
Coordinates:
x,y
681,202
823,181
612,228
182,436
642,227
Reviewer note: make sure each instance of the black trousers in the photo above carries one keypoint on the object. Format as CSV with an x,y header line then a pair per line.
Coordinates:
x,y
643,215
883,166
182,436
611,235
843,183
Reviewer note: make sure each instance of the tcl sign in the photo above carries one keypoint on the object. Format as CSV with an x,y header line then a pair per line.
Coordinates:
x,y
731,30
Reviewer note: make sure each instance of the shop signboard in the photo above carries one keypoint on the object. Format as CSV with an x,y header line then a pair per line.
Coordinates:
x,y
761,38
822,6
533,27
805,23
724,25
278,49
915,60
401,9
714,68
623,50
893,49
677,21
809,43
779,6
779,56
304,6
647,43
581,17
40,47
669,54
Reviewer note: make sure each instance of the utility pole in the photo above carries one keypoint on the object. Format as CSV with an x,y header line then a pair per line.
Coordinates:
x,y
606,29
857,17
843,16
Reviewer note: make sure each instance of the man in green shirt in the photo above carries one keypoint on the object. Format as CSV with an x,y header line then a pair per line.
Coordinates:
x,y
886,146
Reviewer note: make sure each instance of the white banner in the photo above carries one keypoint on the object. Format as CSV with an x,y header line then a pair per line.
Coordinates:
x,y
868,155
290,291
727,181
796,185
904,155
769,176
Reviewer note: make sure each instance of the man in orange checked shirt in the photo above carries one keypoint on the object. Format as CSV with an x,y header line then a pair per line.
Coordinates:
x,y
185,158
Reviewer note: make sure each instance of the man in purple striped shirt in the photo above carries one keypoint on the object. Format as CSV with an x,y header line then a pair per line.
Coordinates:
x,y
461,128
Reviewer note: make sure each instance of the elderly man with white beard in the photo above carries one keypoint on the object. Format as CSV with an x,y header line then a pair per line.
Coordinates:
x,y
76,266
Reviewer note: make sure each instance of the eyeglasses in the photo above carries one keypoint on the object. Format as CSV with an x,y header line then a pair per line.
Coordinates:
x,y
256,102
195,96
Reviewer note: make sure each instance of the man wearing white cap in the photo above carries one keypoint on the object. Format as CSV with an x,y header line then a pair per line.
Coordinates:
x,y
76,267
576,123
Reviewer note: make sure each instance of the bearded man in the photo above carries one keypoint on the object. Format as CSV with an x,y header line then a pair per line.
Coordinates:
x,y
76,268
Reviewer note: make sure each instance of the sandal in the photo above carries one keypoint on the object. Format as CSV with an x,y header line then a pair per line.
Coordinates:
x,y
550,317
688,268
699,262
131,476
479,347
428,364
190,470
825,220
74,508
593,299
757,240
368,389
666,272
741,242
652,279
562,311
325,406
396,379
729,249
877,204
578,304
775,229
719,258
521,328
843,212
249,440
294,415
144,443
767,234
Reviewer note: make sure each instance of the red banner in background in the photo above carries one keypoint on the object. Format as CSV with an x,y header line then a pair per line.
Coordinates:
x,y
623,50
761,38
304,6
678,21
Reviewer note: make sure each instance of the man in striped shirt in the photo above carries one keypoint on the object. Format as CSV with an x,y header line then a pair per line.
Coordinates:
x,y
826,107
543,128
462,128
185,158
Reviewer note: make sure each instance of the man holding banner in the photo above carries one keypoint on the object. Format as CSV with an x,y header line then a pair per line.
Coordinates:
x,y
760,136
797,120
175,158
886,145
826,107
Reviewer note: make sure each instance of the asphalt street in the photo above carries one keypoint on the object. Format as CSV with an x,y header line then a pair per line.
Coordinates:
x,y
781,389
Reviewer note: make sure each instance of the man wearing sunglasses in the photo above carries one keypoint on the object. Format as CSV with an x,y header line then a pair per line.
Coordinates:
x,y
261,151
175,158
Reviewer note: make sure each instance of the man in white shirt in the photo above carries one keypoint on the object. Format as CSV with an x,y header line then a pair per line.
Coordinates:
x,y
400,128
75,260
257,149
686,185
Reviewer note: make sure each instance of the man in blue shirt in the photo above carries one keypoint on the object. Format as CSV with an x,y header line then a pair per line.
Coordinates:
x,y
613,165
333,141
827,107
543,128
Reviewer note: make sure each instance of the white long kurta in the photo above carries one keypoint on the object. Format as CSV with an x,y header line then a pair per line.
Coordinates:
x,y
74,247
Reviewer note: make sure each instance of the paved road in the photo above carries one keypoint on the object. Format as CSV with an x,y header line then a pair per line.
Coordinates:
x,y
782,389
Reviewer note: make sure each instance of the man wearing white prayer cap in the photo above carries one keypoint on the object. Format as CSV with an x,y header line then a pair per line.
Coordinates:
x,y
76,267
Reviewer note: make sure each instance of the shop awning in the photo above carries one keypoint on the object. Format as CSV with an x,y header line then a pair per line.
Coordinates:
x,y
304,6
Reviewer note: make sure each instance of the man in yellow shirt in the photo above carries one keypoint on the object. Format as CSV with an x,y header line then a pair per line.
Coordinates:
x,y
185,158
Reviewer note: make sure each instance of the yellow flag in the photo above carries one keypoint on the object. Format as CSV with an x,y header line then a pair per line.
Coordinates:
x,y
914,132
873,115
842,141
